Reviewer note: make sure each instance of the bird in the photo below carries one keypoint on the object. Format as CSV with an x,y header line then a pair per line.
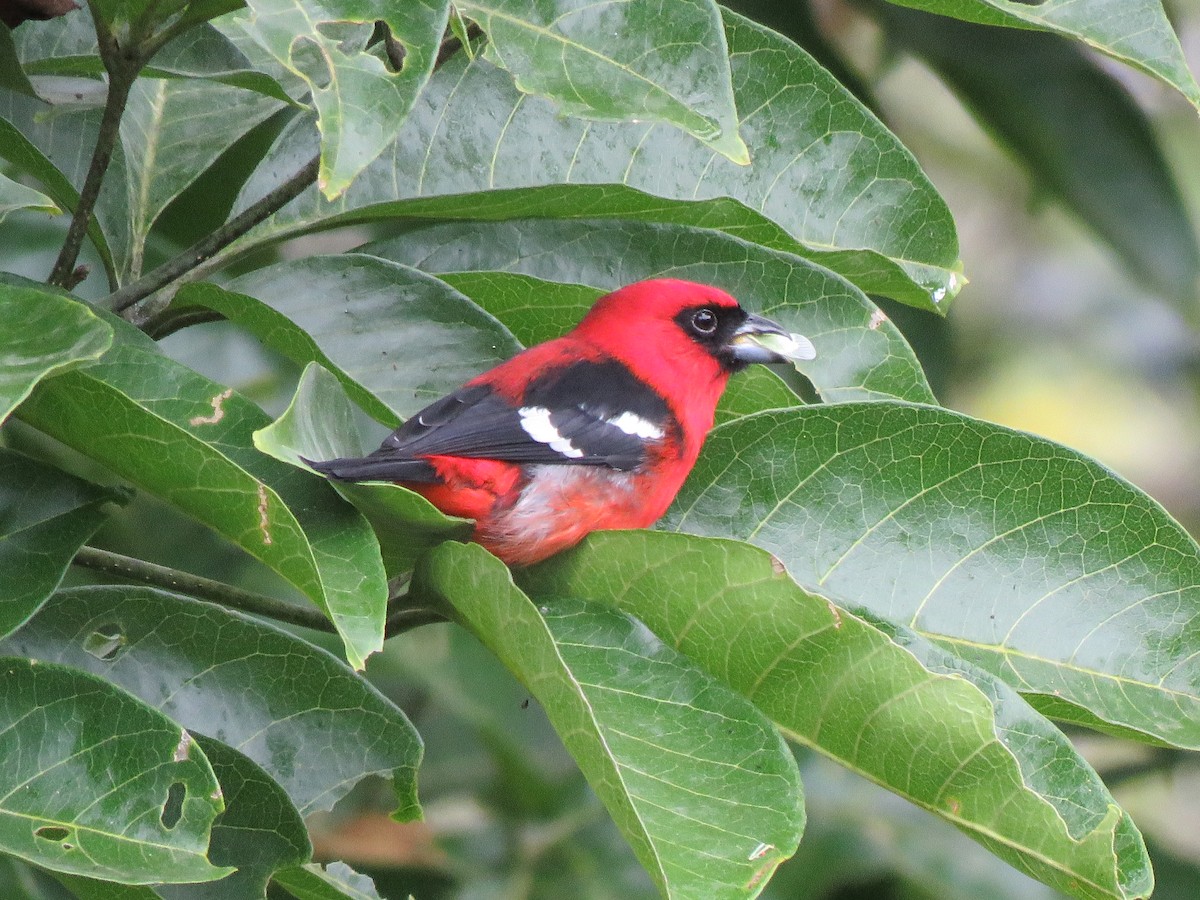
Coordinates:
x,y
596,429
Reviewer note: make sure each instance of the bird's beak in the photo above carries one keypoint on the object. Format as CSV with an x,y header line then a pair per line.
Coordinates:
x,y
759,340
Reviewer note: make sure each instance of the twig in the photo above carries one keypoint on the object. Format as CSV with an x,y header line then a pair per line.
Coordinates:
x,y
400,618
122,72
257,212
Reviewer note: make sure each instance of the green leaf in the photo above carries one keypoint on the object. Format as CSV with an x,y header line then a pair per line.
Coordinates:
x,y
172,131
188,440
95,782
259,832
1022,556
68,46
828,181
12,76
302,715
44,332
697,780
620,62
45,517
360,104
878,699
18,117
1134,31
1075,127
860,354
318,425
536,310
336,881
14,195
403,336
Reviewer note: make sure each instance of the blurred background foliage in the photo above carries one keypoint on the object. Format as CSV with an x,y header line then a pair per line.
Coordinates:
x,y
1075,196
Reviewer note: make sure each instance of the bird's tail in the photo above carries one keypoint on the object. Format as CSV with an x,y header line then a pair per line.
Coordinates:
x,y
374,468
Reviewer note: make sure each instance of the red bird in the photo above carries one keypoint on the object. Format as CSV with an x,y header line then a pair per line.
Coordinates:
x,y
595,429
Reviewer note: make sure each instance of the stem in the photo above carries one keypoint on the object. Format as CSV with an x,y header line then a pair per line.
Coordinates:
x,y
203,588
121,74
260,210
400,616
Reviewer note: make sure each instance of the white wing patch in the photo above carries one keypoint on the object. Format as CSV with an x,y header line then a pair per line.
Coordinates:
x,y
535,421
632,423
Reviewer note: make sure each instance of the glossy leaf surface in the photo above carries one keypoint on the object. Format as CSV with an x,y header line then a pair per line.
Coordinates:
x,y
293,709
188,440
1020,555
91,775
44,332
828,181
618,62
881,701
697,780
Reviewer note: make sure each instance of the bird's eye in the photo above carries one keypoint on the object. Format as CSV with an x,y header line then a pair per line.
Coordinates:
x,y
704,321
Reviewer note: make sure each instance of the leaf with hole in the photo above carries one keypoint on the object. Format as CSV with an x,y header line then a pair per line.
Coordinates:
x,y
360,104
188,440
96,782
828,181
303,716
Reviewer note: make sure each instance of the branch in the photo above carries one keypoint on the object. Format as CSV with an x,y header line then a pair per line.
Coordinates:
x,y
400,616
259,211
122,72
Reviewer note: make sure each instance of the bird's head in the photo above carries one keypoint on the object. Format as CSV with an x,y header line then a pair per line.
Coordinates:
x,y
693,325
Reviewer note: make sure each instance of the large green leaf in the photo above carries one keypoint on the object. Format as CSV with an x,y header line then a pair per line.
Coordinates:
x,y
188,440
318,425
45,517
860,354
1017,554
880,700
173,129
44,332
1077,130
95,782
828,181
697,780
620,61
302,715
259,832
360,104
405,337
1133,31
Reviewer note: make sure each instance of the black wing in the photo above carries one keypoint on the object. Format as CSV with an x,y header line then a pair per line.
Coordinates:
x,y
589,413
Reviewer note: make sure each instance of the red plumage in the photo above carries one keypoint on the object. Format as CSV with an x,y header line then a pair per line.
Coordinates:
x,y
594,430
